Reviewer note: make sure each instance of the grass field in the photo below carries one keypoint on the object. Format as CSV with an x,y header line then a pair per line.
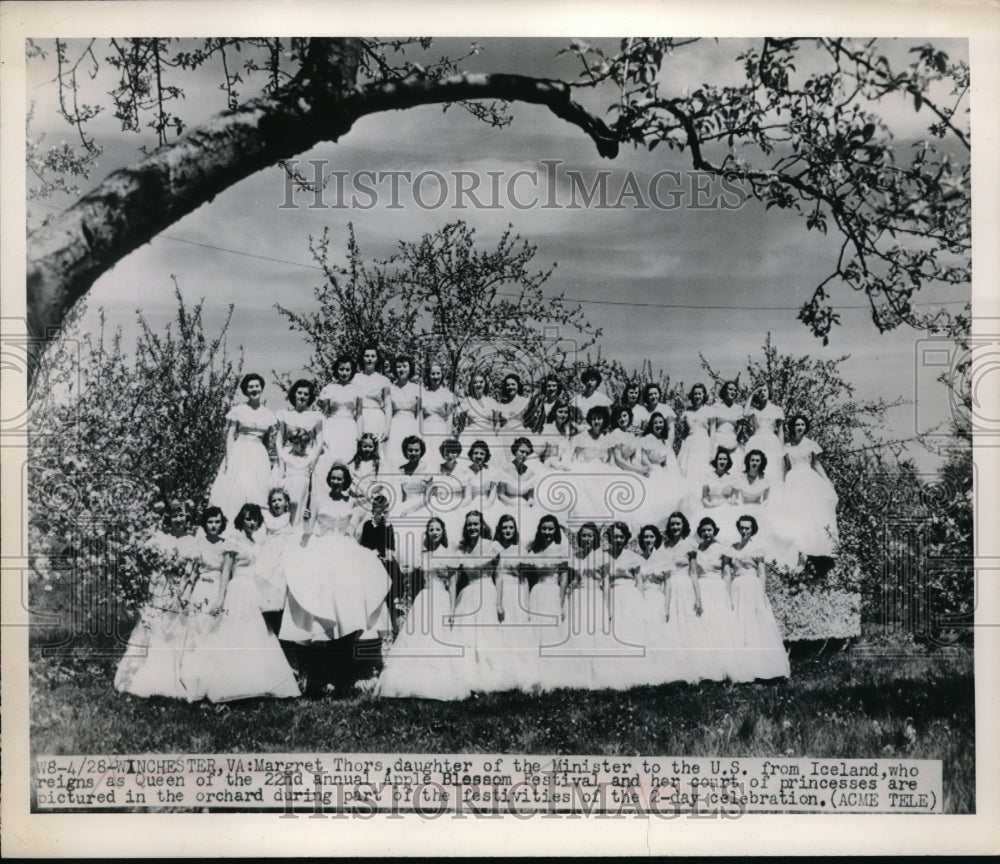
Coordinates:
x,y
837,704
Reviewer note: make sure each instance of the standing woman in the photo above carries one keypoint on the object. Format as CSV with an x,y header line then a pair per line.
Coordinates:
x,y
808,506
683,595
588,630
626,610
768,421
753,497
720,495
513,409
338,401
665,487
424,656
696,449
151,663
437,407
375,399
762,653
228,652
725,414
558,430
477,610
715,637
519,642
336,587
478,414
480,482
651,404
589,472
516,479
245,474
630,400
547,561
548,395
404,394
298,441
667,656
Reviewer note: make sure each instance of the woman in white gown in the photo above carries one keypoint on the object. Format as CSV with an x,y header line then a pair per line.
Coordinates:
x,y
520,643
651,404
478,413
808,503
423,659
724,416
626,664
516,481
336,587
298,441
406,411
714,643
245,474
555,438
374,393
593,480
338,402
761,651
228,652
683,595
476,617
547,561
753,492
696,448
437,405
151,663
480,483
664,650
768,423
665,486
626,456
279,534
719,497
588,628
512,408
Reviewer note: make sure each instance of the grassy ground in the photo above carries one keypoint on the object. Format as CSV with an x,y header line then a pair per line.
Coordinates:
x,y
842,704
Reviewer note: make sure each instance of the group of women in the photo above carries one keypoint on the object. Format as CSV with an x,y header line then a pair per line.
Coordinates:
x,y
646,561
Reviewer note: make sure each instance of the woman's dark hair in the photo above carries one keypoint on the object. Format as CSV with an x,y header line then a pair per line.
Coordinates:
x,y
631,385
404,358
211,512
302,382
649,388
599,411
484,531
450,446
620,526
444,534
791,425
480,445
378,356
701,387
486,381
537,543
339,466
649,426
592,527
517,378
375,460
522,441
245,383
345,358
763,461
746,517
726,384
722,451
414,439
570,411
248,511
591,375
708,520
657,535
503,520
553,378
686,530
617,411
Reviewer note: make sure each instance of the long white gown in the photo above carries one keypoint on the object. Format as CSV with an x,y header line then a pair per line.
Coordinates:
x,y
665,489
724,435
435,424
519,639
229,655
762,653
245,474
636,489
370,388
626,664
807,509
340,432
754,499
546,613
714,632
152,660
668,657
405,421
765,438
336,587
696,448
427,654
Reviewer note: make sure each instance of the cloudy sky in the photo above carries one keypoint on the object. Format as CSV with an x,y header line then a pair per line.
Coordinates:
x,y
662,284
